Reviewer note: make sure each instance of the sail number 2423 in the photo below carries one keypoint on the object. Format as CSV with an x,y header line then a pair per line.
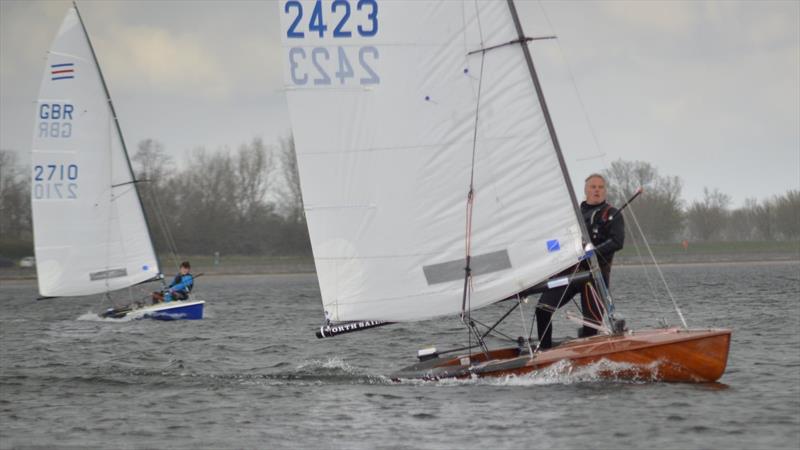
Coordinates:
x,y
331,64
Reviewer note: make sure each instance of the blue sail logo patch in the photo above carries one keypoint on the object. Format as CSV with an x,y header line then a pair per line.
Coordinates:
x,y
553,245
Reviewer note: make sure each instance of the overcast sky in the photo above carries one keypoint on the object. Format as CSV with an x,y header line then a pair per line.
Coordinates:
x,y
705,90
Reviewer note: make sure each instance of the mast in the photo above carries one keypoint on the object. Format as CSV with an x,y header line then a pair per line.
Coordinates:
x,y
594,266
133,181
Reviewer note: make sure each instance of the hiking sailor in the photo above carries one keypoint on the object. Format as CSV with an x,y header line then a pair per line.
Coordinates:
x,y
607,231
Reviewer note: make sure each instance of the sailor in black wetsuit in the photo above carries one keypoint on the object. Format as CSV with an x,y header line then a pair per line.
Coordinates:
x,y
607,231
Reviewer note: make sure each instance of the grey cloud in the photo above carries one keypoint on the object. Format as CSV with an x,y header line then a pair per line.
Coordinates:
x,y
707,90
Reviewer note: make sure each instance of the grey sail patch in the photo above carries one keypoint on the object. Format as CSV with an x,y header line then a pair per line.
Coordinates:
x,y
454,270
106,274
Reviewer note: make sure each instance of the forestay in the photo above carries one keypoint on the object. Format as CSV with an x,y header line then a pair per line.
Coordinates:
x,y
89,228
383,98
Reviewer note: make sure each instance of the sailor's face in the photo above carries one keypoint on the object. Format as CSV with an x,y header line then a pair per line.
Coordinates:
x,y
184,270
595,191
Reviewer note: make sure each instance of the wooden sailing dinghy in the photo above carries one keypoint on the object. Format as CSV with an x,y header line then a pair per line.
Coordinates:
x,y
433,184
672,354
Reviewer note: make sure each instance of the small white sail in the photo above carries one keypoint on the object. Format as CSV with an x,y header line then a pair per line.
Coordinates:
x,y
89,229
383,99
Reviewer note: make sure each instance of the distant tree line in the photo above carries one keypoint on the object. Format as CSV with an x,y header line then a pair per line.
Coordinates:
x,y
234,202
664,217
15,207
248,201
244,202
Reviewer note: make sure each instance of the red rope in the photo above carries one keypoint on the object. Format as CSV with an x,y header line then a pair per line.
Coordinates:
x,y
468,236
594,299
589,301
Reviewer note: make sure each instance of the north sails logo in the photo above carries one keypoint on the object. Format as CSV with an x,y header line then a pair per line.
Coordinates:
x,y
333,330
351,326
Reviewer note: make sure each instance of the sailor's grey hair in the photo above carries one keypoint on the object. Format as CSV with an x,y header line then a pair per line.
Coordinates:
x,y
596,175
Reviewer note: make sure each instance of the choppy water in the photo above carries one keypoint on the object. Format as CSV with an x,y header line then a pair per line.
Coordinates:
x,y
252,375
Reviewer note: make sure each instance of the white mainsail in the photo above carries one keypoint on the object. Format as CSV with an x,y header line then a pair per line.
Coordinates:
x,y
90,233
383,98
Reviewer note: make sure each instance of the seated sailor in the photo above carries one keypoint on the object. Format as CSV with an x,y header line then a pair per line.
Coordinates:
x,y
180,287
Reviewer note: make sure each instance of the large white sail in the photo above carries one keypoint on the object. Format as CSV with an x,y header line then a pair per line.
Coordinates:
x,y
89,229
383,99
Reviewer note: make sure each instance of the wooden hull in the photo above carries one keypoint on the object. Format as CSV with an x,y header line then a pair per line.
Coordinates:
x,y
672,354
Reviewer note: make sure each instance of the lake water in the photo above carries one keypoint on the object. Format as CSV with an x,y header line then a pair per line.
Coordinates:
x,y
253,375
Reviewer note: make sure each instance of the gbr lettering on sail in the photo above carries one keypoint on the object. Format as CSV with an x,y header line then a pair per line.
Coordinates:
x,y
329,42
55,179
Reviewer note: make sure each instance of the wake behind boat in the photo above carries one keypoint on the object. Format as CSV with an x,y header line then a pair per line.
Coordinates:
x,y
434,184
91,234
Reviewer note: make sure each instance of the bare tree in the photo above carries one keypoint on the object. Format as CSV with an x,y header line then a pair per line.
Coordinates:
x,y
153,164
156,174
291,195
15,195
764,219
222,202
254,170
787,214
659,209
742,223
707,218
218,201
206,194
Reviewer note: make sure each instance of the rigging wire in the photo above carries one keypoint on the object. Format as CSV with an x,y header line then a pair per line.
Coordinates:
x,y
112,196
108,229
102,299
658,269
466,302
162,222
592,298
493,331
115,118
524,328
602,154
649,279
602,157
593,264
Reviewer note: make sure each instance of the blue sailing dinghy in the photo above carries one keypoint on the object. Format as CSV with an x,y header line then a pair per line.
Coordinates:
x,y
91,234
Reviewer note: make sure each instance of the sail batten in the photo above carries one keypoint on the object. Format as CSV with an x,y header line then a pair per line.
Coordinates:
x,y
405,145
89,236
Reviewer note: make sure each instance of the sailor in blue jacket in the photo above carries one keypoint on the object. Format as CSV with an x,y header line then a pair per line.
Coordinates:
x,y
179,288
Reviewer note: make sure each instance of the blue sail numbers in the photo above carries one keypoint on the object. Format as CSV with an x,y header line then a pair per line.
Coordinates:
x,y
327,40
339,12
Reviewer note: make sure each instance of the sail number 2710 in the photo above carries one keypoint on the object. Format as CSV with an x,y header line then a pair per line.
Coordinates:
x,y
55,181
331,64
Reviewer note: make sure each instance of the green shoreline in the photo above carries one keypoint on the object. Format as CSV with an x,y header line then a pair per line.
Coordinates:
x,y
666,255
